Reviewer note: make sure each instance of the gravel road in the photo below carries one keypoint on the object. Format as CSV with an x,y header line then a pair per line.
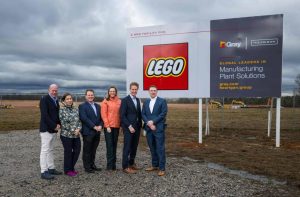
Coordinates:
x,y
20,175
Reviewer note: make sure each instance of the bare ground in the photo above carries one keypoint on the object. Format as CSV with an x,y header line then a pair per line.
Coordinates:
x,y
20,175
237,139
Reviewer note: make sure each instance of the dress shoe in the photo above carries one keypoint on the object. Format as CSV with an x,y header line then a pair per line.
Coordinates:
x,y
161,173
129,171
96,168
151,169
54,172
89,170
47,176
71,173
75,172
134,167
111,169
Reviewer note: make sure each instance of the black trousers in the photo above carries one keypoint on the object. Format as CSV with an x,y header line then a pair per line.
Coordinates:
x,y
111,140
90,145
72,147
131,142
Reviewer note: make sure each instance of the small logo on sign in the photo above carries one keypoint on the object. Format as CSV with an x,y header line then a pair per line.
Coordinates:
x,y
224,44
264,42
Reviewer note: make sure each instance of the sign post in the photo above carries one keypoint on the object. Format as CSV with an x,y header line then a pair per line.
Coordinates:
x,y
207,118
278,106
200,120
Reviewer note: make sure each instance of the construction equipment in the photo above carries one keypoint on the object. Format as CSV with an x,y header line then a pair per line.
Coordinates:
x,y
235,104
4,106
215,104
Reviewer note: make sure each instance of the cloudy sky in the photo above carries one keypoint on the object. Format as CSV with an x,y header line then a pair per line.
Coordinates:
x,y
80,44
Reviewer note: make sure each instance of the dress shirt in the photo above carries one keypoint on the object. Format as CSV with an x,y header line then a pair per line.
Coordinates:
x,y
94,107
134,100
54,99
152,103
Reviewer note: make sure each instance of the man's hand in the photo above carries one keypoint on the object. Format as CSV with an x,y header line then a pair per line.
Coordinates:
x,y
131,129
108,129
98,128
150,123
153,127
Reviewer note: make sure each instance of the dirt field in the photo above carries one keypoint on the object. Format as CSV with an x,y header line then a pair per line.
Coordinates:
x,y
238,138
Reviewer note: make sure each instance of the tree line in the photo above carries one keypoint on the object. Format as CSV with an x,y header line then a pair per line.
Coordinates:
x,y
286,101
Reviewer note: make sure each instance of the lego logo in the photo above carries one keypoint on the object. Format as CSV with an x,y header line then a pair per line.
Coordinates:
x,y
165,67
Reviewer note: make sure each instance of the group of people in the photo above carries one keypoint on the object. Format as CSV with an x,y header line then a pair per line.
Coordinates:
x,y
89,119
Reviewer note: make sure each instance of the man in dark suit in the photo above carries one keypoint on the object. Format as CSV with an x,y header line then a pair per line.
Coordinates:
x,y
131,122
154,116
49,126
89,113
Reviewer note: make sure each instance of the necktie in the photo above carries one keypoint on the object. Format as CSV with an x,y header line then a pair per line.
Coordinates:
x,y
94,108
54,99
134,101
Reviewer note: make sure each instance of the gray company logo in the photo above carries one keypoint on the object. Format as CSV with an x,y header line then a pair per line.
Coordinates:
x,y
264,42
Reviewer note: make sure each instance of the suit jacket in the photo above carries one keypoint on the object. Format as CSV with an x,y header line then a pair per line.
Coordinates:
x,y
89,119
49,114
158,115
129,114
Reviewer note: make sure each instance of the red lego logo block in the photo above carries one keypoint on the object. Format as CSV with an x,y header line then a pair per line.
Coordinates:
x,y
166,66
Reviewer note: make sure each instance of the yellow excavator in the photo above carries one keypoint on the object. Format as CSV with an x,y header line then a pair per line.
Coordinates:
x,y
6,106
238,104
215,104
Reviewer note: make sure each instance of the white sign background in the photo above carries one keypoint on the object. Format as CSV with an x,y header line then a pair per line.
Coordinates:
x,y
198,38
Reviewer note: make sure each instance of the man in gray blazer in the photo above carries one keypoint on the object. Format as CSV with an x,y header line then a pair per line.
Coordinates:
x,y
154,114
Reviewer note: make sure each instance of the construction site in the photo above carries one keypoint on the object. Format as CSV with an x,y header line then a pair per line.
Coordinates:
x,y
252,103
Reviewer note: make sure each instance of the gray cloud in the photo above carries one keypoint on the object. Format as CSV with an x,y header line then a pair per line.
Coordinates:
x,y
83,43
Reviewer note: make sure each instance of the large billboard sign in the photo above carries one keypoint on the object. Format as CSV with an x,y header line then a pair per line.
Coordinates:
x,y
246,57
239,57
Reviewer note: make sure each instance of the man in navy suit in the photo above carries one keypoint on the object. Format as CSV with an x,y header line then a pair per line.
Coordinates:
x,y
131,122
154,116
89,113
49,126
